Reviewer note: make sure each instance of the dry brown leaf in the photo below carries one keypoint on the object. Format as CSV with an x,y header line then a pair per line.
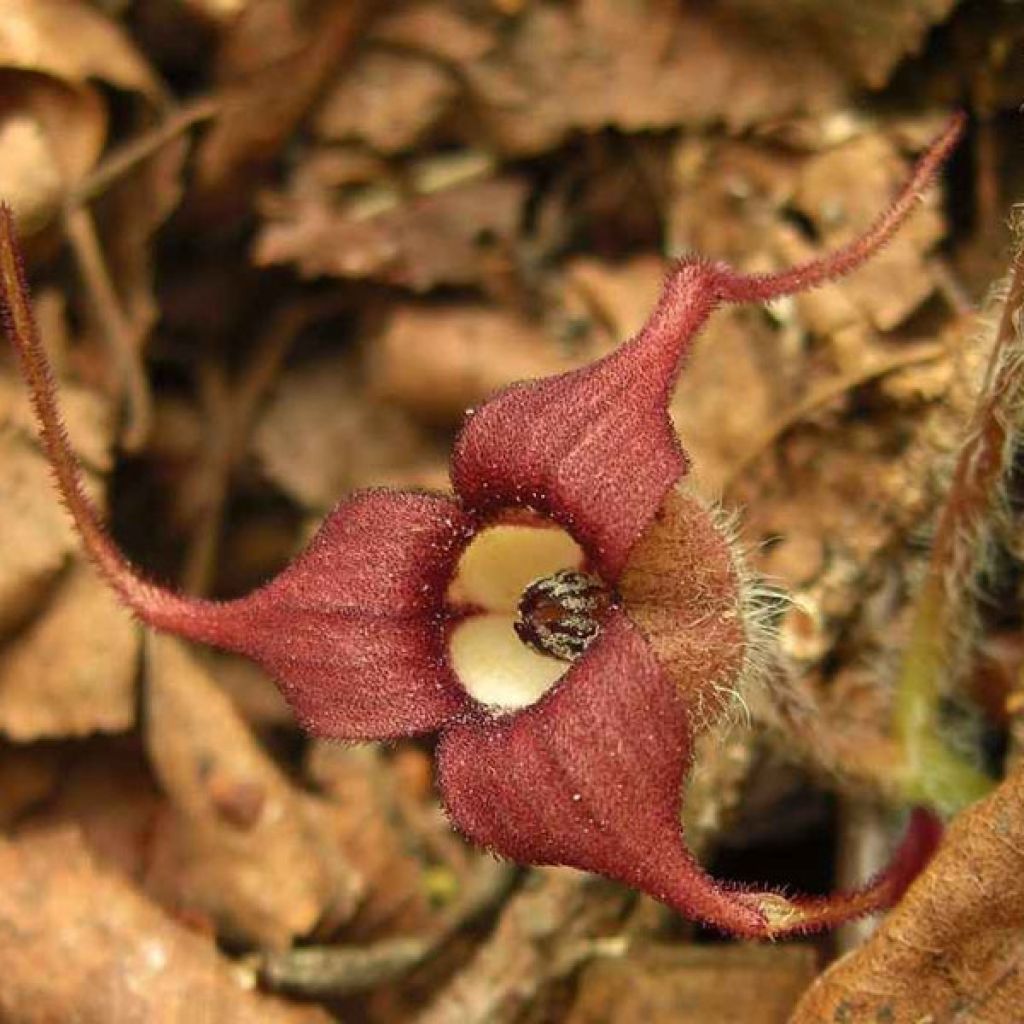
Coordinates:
x,y
695,985
72,671
735,200
38,538
637,66
246,850
388,101
621,295
322,436
440,360
734,357
273,66
951,950
71,41
53,124
444,237
89,419
78,943
437,27
866,38
220,11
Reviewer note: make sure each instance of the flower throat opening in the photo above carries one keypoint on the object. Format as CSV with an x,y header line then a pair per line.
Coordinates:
x,y
525,610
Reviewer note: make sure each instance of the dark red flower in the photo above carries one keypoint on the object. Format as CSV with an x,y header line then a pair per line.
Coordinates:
x,y
403,615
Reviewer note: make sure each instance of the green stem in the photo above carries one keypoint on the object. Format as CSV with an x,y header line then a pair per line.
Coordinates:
x,y
941,640
935,774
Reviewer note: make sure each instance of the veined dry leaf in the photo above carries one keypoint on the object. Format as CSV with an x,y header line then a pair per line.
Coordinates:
x,y
79,943
53,121
951,950
246,850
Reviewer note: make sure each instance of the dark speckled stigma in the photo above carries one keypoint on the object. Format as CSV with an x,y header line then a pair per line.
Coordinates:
x,y
560,615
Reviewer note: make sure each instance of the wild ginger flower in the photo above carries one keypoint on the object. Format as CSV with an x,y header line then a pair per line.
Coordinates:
x,y
567,623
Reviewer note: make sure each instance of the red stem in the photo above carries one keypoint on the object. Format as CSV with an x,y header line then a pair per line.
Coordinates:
x,y
161,608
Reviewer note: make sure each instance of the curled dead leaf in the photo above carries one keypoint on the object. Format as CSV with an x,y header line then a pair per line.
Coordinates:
x,y
636,66
53,120
866,38
951,949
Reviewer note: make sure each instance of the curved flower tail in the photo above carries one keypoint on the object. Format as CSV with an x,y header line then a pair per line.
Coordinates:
x,y
732,286
159,607
349,628
787,915
594,448
592,777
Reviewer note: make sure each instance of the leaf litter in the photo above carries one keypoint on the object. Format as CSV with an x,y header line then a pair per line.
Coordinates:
x,y
453,171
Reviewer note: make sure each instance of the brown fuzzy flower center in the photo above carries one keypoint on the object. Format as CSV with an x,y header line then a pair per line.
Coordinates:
x,y
560,615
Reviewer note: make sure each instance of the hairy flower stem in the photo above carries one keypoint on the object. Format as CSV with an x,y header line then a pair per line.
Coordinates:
x,y
161,608
934,773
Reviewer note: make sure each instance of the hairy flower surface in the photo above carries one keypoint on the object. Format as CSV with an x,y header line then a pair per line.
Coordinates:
x,y
566,622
